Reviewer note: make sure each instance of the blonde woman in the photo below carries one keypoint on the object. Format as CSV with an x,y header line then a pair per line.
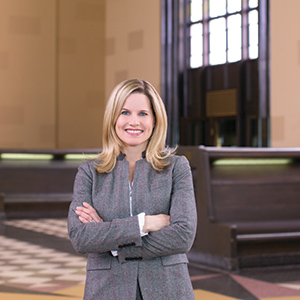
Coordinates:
x,y
133,208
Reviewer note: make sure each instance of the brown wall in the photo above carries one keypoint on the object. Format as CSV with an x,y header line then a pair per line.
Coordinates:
x,y
27,73
60,59
285,73
51,73
80,73
133,41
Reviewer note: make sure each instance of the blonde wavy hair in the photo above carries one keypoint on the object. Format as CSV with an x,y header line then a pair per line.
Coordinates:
x,y
156,152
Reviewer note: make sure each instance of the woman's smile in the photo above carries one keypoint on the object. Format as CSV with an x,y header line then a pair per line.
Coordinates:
x,y
133,131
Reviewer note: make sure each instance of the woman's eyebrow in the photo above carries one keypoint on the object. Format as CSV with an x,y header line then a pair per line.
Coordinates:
x,y
124,108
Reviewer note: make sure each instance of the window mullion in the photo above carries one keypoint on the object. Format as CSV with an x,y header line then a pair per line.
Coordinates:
x,y
245,33
226,32
205,33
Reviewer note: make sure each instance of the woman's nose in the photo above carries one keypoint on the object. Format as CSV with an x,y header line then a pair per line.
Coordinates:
x,y
134,121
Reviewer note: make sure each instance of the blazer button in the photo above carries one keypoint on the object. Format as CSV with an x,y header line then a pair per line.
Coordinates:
x,y
133,258
126,245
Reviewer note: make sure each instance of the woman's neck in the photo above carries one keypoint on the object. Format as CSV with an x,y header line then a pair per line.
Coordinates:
x,y
133,154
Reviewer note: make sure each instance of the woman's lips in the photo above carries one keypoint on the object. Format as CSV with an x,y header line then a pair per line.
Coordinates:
x,y
134,131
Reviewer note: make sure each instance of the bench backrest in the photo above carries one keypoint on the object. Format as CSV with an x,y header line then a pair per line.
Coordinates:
x,y
246,184
260,192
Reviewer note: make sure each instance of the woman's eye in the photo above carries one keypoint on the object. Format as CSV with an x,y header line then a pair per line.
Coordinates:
x,y
124,112
143,114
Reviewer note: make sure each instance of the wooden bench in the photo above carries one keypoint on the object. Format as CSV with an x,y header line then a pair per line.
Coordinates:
x,y
38,188
248,203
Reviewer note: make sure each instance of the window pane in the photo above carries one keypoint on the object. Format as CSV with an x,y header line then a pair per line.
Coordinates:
x,y
196,10
217,8
234,38
217,41
196,59
234,55
253,52
253,34
234,6
253,3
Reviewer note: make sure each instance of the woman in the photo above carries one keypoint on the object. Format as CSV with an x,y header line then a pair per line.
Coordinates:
x,y
133,208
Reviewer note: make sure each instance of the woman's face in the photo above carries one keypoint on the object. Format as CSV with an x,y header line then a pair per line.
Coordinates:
x,y
135,124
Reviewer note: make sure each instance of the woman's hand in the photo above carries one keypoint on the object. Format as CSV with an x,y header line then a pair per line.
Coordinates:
x,y
87,213
156,222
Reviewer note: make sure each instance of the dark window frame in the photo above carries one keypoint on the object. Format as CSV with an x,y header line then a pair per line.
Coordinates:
x,y
175,64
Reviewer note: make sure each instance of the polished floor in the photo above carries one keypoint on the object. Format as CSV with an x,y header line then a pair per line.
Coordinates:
x,y
37,262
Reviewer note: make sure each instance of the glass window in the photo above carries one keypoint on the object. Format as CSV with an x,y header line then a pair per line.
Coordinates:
x,y
253,3
234,29
196,11
196,59
234,6
217,28
217,8
253,34
217,41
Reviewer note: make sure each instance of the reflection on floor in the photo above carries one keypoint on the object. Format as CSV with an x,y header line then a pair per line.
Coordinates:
x,y
37,262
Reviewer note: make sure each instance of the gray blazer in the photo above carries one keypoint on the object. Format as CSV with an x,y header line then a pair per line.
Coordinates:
x,y
157,261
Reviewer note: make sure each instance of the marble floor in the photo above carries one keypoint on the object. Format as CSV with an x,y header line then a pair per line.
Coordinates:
x,y
37,262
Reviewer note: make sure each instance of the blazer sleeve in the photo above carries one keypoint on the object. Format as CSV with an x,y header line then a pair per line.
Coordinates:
x,y
178,237
98,237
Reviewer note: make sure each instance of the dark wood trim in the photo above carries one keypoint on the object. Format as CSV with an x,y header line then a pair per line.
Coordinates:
x,y
174,64
169,70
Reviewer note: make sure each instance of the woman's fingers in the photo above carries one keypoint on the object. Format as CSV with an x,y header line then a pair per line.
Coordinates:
x,y
85,204
83,217
83,220
87,213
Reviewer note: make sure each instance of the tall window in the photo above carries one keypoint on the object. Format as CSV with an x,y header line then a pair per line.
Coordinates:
x,y
222,31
